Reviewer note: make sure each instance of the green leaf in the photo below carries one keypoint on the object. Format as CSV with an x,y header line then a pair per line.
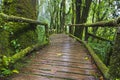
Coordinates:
x,y
15,71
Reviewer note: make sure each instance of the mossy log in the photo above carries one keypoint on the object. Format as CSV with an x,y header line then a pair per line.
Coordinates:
x,y
110,23
102,67
20,19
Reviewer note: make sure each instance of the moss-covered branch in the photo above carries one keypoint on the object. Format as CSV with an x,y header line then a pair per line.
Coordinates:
x,y
98,62
20,19
110,23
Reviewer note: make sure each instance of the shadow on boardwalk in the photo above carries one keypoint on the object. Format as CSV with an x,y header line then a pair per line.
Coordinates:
x,y
63,59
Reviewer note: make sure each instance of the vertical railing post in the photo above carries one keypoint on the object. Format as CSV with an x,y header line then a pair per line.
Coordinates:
x,y
65,29
70,27
86,34
47,32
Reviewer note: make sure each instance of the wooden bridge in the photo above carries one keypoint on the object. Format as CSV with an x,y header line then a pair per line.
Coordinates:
x,y
65,58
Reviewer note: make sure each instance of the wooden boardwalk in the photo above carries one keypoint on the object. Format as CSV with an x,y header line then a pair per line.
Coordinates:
x,y
63,59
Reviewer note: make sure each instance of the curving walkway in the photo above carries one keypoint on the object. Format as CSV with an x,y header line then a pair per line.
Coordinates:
x,y
63,59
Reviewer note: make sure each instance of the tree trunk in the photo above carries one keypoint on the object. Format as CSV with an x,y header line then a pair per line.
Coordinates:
x,y
81,18
71,31
62,15
78,14
24,37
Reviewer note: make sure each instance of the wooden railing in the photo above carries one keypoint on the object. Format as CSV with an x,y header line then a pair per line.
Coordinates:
x,y
112,23
25,20
23,52
99,38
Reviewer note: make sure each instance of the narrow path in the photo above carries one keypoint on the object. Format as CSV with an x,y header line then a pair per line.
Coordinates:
x,y
63,59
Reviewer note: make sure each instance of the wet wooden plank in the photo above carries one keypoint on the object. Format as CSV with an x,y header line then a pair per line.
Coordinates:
x,y
33,77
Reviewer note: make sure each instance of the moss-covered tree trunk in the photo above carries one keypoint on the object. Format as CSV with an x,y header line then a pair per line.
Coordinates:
x,y
81,15
22,8
78,14
115,58
17,36
71,29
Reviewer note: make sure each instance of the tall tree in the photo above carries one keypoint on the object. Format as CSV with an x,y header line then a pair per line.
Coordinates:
x,y
62,15
100,11
71,31
54,10
78,14
82,11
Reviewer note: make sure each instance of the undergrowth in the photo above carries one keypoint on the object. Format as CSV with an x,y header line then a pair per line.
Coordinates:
x,y
101,49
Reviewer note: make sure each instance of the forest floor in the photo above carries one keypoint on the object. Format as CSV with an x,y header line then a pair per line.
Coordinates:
x,y
63,59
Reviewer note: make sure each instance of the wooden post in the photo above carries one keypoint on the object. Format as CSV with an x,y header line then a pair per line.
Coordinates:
x,y
47,32
65,29
86,34
69,29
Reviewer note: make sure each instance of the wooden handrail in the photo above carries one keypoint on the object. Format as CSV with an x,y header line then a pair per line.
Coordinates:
x,y
29,49
110,23
20,19
25,20
100,38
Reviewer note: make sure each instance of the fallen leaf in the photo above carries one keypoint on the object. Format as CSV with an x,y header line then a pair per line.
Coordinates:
x,y
86,58
59,54
53,71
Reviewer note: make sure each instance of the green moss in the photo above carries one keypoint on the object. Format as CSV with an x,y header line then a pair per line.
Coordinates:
x,y
20,7
13,33
14,36
41,34
115,60
27,39
4,43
